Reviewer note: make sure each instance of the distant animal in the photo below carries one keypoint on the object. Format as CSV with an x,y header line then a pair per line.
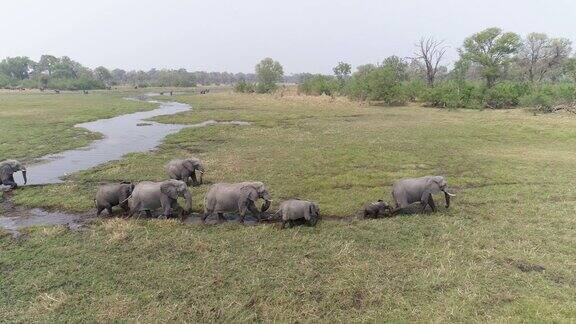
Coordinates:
x,y
7,170
42,89
135,87
185,170
205,91
236,197
295,209
376,209
170,92
148,196
113,194
408,191
108,88
85,91
161,93
57,91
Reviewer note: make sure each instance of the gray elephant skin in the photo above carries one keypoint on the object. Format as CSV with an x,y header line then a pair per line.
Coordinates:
x,y
297,209
408,191
376,209
7,169
185,170
149,196
236,197
113,194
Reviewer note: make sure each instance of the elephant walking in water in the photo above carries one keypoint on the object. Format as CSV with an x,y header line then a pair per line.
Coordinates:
x,y
7,169
185,170
148,196
113,194
408,191
296,209
236,197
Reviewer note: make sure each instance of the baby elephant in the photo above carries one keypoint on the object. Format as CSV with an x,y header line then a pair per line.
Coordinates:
x,y
377,209
113,194
296,209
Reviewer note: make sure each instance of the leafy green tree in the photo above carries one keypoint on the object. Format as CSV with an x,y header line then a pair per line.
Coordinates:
x,y
342,72
269,72
103,75
491,49
570,68
47,64
16,68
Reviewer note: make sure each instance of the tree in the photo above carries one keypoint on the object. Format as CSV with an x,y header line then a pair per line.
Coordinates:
x,y
103,75
342,72
430,51
269,72
569,68
540,55
491,50
47,64
17,68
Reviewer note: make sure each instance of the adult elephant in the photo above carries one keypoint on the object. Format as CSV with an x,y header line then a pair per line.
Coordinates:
x,y
236,197
148,196
408,191
185,170
7,169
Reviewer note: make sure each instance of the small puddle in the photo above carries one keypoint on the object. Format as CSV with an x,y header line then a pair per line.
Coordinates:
x,y
121,135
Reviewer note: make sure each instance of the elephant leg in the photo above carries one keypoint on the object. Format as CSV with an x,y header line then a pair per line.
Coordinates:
x,y
125,209
166,203
221,218
109,209
9,181
148,213
99,210
254,211
194,180
286,222
431,203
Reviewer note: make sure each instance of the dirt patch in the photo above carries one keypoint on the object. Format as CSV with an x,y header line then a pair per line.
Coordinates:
x,y
526,266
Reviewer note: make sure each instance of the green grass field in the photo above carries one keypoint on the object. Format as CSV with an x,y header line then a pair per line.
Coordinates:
x,y
504,251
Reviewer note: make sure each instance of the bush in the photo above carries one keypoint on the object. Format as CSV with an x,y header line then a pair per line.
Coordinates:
x,y
540,99
546,97
244,87
416,89
378,84
505,94
265,87
454,94
318,85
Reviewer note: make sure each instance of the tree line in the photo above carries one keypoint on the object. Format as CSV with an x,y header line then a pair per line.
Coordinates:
x,y
495,69
63,73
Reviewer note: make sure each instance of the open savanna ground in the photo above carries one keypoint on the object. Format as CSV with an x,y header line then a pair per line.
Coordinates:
x,y
505,250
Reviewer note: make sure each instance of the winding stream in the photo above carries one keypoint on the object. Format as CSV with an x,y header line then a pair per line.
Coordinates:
x,y
121,135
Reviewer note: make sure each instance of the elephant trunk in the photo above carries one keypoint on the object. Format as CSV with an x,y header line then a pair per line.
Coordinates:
x,y
188,197
24,176
266,205
447,196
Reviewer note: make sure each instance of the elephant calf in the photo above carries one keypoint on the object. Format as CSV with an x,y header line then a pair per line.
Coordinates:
x,y
375,209
296,209
113,194
236,197
408,191
185,170
149,196
7,169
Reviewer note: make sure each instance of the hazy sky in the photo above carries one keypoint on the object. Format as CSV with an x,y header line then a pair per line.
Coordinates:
x,y
233,35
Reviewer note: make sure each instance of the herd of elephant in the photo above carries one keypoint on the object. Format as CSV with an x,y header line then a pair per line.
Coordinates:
x,y
147,196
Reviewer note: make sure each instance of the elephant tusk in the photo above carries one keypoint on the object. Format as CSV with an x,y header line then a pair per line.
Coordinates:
x,y
450,194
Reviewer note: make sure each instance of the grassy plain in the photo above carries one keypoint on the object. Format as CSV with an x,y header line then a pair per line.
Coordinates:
x,y
504,251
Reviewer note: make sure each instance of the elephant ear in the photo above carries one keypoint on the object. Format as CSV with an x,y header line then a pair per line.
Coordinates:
x,y
433,185
169,189
249,192
189,165
5,172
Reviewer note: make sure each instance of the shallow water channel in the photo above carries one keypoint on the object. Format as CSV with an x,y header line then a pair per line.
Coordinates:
x,y
120,135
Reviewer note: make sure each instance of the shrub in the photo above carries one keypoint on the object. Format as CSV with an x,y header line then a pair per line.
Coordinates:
x,y
454,94
505,94
416,89
541,99
244,87
546,97
378,84
318,85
